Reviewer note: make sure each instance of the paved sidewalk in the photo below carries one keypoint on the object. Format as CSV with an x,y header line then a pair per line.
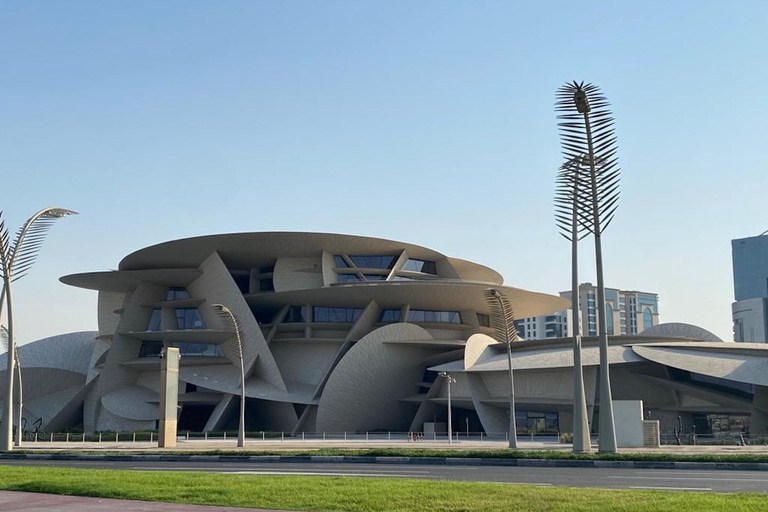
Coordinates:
x,y
33,502
254,446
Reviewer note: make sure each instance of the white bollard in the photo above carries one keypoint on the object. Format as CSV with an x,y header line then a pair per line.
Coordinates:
x,y
67,436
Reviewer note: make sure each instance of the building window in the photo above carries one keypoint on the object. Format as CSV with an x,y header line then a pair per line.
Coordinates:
x,y
267,270
609,318
267,285
426,267
296,314
404,278
154,320
348,278
151,348
421,315
374,277
340,261
389,316
647,318
198,349
176,293
385,262
343,315
189,318
483,320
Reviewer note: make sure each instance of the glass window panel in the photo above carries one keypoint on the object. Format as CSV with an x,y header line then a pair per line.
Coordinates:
x,y
266,285
647,318
296,314
198,349
176,293
154,320
427,267
189,318
421,315
374,277
343,315
373,261
348,278
389,316
485,320
340,263
404,278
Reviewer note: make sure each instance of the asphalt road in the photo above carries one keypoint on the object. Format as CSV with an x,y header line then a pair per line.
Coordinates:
x,y
678,479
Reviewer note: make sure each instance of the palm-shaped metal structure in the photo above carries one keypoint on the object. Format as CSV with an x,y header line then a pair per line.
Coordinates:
x,y
571,198
587,132
503,324
230,318
16,258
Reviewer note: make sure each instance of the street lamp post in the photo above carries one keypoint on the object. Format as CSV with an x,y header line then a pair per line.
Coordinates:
x,y
16,258
450,380
227,315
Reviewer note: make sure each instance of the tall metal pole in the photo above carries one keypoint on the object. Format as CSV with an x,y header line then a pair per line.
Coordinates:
x,y
20,417
607,431
241,427
6,435
450,428
512,423
581,438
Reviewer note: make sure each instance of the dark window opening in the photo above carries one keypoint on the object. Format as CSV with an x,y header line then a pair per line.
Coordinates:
x,y
177,293
189,318
267,285
154,320
389,316
243,282
348,278
264,315
423,266
343,315
150,348
421,315
384,262
483,320
340,262
296,314
198,349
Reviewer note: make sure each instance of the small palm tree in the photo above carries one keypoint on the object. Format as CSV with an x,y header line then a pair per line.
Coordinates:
x,y
229,317
16,258
503,324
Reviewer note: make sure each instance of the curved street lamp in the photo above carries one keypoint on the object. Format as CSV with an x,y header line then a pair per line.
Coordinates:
x,y
16,259
227,315
503,324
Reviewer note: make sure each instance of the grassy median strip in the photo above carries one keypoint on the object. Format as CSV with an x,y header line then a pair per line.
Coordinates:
x,y
356,493
454,453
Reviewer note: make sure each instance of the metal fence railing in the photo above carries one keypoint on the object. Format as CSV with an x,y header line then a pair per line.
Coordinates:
x,y
264,436
666,438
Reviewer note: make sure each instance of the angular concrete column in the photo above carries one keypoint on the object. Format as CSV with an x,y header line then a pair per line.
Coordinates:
x,y
759,423
169,398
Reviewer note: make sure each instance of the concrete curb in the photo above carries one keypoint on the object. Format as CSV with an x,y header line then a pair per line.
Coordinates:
x,y
438,461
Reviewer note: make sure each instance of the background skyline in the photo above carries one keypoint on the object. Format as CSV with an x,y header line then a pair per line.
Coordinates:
x,y
431,124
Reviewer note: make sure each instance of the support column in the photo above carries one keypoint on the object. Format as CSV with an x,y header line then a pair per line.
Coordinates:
x,y
169,398
759,423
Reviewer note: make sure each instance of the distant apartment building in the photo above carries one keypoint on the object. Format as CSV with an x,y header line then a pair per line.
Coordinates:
x,y
629,312
750,289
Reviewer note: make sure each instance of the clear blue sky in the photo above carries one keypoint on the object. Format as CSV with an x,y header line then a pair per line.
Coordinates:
x,y
429,122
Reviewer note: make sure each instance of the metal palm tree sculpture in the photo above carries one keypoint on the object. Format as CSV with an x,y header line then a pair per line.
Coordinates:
x,y
587,130
503,324
229,317
16,258
570,199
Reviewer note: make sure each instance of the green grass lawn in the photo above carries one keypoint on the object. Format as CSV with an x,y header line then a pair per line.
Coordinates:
x,y
357,494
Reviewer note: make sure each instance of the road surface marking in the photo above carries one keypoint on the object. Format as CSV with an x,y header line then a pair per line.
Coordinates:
x,y
673,488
